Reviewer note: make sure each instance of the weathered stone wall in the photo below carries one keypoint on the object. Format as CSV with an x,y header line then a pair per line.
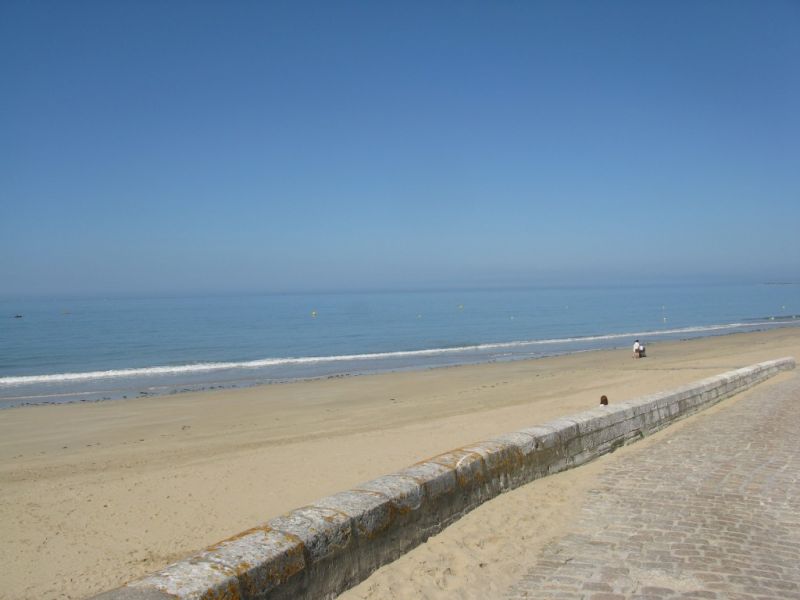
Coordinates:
x,y
320,550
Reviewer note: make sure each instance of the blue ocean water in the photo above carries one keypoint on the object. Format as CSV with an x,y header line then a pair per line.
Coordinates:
x,y
73,349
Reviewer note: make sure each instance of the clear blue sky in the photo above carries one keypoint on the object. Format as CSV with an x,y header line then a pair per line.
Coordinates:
x,y
230,146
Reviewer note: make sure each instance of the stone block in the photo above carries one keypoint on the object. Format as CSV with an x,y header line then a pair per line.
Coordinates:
x,y
468,466
502,459
246,566
323,532
436,480
370,512
404,493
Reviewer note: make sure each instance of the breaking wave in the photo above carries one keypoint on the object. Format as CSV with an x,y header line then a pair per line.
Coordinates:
x,y
205,367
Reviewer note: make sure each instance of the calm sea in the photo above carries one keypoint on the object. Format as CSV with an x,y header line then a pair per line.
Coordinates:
x,y
86,349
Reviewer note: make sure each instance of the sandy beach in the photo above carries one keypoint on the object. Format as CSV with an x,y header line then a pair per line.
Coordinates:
x,y
92,495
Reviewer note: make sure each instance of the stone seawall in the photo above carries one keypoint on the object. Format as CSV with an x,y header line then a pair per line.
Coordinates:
x,y
322,549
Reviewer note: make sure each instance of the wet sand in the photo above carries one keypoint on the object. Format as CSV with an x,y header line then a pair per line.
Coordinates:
x,y
92,495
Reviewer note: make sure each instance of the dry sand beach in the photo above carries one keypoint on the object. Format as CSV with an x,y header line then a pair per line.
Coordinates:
x,y
92,495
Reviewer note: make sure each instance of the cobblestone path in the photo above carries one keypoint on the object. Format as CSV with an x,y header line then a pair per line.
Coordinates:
x,y
710,511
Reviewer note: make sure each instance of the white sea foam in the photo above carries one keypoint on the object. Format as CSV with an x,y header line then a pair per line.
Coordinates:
x,y
271,362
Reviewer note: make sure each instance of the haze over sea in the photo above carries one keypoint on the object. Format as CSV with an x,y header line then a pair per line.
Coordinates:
x,y
74,349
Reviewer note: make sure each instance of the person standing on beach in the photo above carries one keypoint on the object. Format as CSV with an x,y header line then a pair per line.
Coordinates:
x,y
636,349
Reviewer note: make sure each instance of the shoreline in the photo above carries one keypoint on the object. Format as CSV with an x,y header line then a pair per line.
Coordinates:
x,y
163,390
94,494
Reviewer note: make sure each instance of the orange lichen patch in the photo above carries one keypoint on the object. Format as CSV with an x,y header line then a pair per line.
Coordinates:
x,y
253,562
435,480
421,479
242,568
255,579
380,517
370,534
221,568
394,508
278,574
249,585
399,509
378,495
417,479
324,530
301,514
229,592
468,465
291,536
464,481
203,560
330,518
405,495
453,458
402,509
369,511
238,536
502,460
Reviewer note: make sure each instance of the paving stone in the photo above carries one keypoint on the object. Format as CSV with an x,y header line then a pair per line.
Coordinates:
x,y
710,511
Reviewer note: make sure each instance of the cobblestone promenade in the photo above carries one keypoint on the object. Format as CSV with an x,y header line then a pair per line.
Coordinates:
x,y
709,511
